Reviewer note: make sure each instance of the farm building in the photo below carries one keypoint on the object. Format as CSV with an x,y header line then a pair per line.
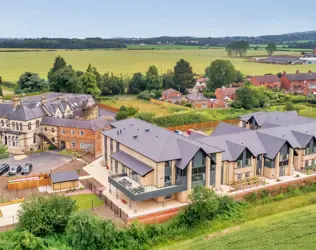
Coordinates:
x,y
281,59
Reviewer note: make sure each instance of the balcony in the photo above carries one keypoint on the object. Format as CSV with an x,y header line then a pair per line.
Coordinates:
x,y
138,192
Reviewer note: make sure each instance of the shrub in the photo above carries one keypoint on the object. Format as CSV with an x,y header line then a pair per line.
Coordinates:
x,y
26,240
125,112
189,105
51,147
279,197
252,197
312,201
45,215
146,116
145,95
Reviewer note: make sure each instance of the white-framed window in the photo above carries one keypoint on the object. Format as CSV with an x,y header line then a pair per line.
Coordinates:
x,y
239,176
73,144
247,175
81,133
63,131
90,145
53,130
81,145
73,132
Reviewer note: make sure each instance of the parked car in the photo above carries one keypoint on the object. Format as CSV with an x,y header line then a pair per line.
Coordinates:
x,y
27,168
15,170
4,168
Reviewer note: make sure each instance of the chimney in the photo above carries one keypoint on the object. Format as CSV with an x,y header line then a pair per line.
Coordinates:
x,y
43,99
16,101
297,72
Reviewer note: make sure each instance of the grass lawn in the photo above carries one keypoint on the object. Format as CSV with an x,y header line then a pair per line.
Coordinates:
x,y
254,215
289,230
127,62
85,201
146,106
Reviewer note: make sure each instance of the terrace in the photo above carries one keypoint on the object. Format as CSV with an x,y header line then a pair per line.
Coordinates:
x,y
137,192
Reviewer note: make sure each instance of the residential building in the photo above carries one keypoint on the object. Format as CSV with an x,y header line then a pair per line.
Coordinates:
x,y
21,118
217,103
171,95
310,89
199,86
225,93
269,81
259,120
170,169
75,135
295,83
198,100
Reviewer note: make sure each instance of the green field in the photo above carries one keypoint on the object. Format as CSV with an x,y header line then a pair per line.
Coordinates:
x,y
290,230
126,62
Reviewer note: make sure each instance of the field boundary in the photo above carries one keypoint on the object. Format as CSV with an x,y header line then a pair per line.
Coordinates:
x,y
108,107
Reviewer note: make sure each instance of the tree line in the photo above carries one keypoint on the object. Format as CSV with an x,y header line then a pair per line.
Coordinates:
x,y
62,43
240,48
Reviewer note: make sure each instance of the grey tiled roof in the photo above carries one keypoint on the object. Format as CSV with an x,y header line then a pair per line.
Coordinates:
x,y
152,141
24,113
59,177
301,76
132,163
96,124
224,128
196,97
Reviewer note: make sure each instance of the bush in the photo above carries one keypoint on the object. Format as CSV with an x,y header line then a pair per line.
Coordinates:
x,y
279,197
46,215
146,116
252,197
189,105
26,240
125,112
145,95
51,147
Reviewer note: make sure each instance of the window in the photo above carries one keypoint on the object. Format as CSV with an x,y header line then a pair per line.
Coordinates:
x,y
73,144
29,126
53,139
198,168
81,133
111,146
81,145
306,164
239,176
63,131
53,130
314,162
73,132
123,169
2,123
37,124
21,128
117,146
268,163
45,129
247,175
90,145
34,138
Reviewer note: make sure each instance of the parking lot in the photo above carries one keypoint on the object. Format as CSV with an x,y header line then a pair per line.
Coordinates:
x,y
42,162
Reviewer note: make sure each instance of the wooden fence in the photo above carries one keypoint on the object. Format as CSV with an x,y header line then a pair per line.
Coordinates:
x,y
108,107
203,125
28,182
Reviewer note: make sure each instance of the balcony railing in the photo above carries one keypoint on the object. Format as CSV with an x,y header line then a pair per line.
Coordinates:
x,y
138,192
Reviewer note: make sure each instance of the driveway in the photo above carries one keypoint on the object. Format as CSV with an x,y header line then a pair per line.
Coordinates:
x,y
42,162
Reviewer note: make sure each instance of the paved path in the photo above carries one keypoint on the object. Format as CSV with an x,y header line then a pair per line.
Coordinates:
x,y
9,214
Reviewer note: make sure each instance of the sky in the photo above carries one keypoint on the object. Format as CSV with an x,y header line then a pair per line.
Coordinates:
x,y
148,18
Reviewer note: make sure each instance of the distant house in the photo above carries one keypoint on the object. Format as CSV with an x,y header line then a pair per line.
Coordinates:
x,y
225,93
217,103
280,59
310,89
171,95
295,83
198,100
269,81
199,86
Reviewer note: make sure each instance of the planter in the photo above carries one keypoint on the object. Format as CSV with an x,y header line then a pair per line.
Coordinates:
x,y
12,202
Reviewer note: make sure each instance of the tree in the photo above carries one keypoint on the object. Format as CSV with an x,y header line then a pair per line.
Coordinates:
x,y
89,83
31,82
26,240
183,76
289,106
271,48
3,152
168,80
66,80
125,112
146,116
136,84
1,93
239,48
43,215
111,84
93,70
152,79
239,76
87,232
58,64
220,73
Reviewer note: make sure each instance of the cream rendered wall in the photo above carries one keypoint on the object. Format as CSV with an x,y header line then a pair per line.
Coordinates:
x,y
58,113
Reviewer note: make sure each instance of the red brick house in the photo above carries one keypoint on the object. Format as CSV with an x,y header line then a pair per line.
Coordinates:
x,y
295,83
225,93
269,81
171,95
310,89
217,103
198,100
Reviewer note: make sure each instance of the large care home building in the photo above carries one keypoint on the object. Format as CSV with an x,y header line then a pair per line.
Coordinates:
x,y
295,83
147,162
21,118
269,81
